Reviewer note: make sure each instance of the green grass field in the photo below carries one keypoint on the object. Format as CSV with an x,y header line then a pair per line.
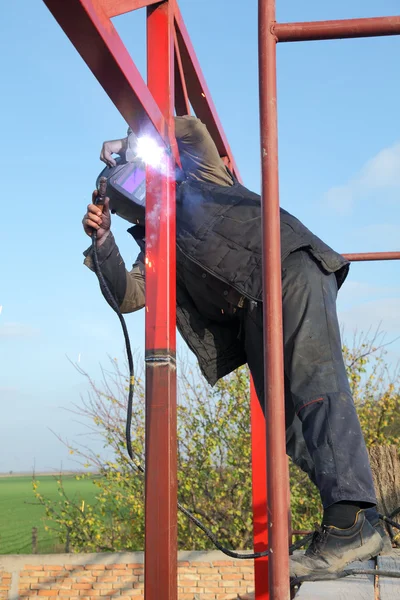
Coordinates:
x,y
19,511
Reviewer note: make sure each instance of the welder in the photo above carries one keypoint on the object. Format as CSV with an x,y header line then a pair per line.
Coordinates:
x,y
220,316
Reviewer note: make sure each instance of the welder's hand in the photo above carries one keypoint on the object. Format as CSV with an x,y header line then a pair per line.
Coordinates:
x,y
95,219
112,147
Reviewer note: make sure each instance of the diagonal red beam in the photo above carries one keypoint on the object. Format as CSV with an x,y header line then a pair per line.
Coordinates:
x,y
114,8
97,41
199,94
182,103
339,29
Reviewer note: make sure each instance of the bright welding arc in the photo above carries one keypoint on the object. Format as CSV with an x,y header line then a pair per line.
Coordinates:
x,y
149,151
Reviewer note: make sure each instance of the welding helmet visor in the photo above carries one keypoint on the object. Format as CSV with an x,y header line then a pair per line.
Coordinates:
x,y
126,188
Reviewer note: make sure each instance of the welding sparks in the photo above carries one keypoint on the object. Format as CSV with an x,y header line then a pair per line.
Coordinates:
x,y
149,151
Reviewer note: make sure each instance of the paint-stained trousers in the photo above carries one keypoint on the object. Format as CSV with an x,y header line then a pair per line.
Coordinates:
x,y
323,433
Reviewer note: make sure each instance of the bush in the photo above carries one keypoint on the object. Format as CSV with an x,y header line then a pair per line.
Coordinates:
x,y
214,462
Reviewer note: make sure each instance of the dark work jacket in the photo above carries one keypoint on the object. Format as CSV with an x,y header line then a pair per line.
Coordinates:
x,y
219,261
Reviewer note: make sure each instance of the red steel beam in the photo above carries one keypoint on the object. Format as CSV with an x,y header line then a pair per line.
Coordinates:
x,y
199,94
366,256
259,487
334,30
182,103
277,468
114,8
160,337
97,41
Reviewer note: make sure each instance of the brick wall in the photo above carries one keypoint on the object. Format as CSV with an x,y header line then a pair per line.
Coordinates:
x,y
5,585
201,576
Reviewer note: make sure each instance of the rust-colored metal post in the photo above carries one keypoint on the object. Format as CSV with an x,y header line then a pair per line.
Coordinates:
x,y
277,471
161,442
334,30
369,256
259,488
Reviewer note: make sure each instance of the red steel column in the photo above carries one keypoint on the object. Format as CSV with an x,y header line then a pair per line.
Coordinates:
x,y
161,443
259,487
277,470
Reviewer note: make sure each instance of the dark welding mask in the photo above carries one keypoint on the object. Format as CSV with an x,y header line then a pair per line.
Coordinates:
x,y
126,182
126,188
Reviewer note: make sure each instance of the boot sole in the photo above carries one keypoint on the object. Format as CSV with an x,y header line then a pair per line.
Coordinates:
x,y
387,544
370,550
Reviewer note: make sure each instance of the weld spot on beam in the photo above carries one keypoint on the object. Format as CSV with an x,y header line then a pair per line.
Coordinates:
x,y
161,357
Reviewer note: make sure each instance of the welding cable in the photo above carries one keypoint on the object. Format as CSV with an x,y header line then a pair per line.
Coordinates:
x,y
389,520
115,306
109,296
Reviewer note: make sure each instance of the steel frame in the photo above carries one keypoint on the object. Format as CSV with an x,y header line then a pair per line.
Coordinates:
x,y
175,80
270,33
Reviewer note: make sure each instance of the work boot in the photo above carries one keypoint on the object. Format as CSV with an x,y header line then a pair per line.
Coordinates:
x,y
373,517
331,549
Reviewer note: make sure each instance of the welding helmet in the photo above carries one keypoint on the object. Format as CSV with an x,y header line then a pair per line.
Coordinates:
x,y
126,188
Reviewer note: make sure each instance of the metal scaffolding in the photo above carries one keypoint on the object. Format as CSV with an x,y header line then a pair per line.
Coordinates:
x,y
175,81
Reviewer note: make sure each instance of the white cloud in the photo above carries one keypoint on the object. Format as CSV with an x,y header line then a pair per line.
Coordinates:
x,y
20,330
380,173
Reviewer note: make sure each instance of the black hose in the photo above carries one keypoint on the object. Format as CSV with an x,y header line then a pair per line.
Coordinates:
x,y
115,306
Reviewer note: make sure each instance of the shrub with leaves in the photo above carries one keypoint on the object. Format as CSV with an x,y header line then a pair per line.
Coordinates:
x,y
214,466
214,461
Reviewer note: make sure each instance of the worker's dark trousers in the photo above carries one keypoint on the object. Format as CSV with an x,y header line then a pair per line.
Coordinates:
x,y
323,434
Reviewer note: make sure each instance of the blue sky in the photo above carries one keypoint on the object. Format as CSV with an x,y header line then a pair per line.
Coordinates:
x,y
339,173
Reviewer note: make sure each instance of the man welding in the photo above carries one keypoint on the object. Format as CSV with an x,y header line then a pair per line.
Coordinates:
x,y
220,316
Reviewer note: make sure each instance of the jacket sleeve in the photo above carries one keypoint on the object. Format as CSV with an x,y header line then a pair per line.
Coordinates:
x,y
128,287
199,154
